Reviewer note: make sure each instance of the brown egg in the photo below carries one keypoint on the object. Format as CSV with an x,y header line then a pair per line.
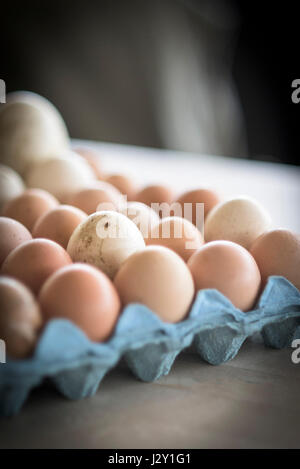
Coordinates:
x,y
158,278
277,252
155,195
92,157
177,234
29,206
20,318
205,196
58,224
229,268
143,216
32,262
90,198
124,184
12,234
85,296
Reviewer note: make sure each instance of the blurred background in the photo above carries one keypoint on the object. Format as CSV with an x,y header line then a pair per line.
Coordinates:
x,y
205,76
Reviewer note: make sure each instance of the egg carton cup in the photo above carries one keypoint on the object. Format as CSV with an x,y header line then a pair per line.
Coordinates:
x,y
214,328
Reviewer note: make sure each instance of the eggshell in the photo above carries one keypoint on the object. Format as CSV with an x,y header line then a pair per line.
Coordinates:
x,y
105,240
60,175
20,318
177,234
12,234
34,261
277,252
155,194
229,268
240,220
158,278
198,196
124,184
31,130
85,296
90,198
142,216
28,207
92,157
58,224
11,185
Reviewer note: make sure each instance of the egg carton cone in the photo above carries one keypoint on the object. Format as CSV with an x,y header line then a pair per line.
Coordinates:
x,y
214,329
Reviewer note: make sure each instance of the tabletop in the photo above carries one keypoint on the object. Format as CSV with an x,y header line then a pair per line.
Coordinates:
x,y
251,401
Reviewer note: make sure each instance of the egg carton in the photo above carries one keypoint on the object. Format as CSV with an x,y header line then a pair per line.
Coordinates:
x,y
214,328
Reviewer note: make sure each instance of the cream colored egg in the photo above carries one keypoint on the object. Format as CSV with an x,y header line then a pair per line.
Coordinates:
x,y
105,240
31,130
158,278
143,216
93,159
11,185
240,220
61,175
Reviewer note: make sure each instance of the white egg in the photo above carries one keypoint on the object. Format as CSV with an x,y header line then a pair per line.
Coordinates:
x,y
240,220
31,129
61,175
105,239
11,185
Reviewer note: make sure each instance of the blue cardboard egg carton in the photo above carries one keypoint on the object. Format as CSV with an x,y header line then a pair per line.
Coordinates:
x,y
214,327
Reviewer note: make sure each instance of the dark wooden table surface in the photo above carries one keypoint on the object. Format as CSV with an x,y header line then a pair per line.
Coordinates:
x,y
251,401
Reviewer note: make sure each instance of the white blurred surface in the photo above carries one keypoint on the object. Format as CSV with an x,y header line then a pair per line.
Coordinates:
x,y
275,186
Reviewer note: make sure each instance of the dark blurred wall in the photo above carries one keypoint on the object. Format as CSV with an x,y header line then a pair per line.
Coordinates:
x,y
266,63
204,76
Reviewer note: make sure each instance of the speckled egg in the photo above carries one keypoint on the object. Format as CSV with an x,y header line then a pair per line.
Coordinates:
x,y
12,234
105,239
